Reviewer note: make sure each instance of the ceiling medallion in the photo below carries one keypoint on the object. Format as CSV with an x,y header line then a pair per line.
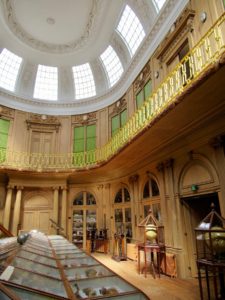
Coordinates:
x,y
25,37
50,21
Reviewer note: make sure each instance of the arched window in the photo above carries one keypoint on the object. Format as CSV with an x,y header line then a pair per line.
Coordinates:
x,y
151,199
84,217
122,213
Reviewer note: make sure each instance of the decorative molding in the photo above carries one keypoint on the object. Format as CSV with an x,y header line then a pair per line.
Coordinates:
x,y
178,31
84,119
25,37
119,106
134,178
6,112
43,122
142,78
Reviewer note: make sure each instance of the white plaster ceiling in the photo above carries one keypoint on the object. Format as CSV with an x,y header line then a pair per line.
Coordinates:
x,y
64,33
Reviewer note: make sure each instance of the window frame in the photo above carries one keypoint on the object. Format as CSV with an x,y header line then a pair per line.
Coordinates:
x,y
121,124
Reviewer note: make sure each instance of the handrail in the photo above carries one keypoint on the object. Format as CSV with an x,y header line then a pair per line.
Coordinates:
x,y
6,232
206,52
58,228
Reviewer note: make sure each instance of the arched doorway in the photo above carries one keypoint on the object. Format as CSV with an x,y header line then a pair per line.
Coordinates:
x,y
198,183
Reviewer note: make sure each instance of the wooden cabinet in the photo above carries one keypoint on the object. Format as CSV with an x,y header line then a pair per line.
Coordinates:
x,y
132,251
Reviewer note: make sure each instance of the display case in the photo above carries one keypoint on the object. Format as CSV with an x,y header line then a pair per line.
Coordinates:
x,y
65,273
78,224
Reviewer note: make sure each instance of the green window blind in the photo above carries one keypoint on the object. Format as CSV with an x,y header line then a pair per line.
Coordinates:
x,y
115,124
148,89
140,99
78,145
91,137
123,117
4,131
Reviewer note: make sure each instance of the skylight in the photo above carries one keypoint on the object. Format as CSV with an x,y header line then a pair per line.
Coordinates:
x,y
9,68
131,30
159,4
112,65
83,81
46,85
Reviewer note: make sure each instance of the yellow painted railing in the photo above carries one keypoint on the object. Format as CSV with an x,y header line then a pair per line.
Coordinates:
x,y
196,62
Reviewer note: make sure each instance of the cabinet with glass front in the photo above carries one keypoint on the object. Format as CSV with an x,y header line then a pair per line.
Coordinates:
x,y
122,213
84,218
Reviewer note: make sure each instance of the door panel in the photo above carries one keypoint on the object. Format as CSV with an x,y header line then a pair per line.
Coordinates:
x,y
29,220
43,218
36,220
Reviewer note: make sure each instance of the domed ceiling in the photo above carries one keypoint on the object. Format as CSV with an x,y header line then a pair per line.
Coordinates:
x,y
87,46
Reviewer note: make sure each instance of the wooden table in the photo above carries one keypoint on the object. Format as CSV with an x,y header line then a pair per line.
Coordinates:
x,y
151,249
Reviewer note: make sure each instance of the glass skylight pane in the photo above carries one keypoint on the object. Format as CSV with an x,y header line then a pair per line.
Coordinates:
x,y
159,4
112,65
9,68
131,30
46,85
83,81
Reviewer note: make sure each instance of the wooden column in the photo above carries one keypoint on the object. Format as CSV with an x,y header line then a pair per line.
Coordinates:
x,y
218,143
16,213
135,213
8,204
64,209
55,208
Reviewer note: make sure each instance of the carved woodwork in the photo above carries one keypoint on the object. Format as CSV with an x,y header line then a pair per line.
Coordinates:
x,y
178,31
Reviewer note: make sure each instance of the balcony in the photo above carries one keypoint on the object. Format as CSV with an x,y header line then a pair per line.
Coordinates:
x,y
191,95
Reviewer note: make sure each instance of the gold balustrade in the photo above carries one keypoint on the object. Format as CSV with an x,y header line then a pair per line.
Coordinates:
x,y
206,52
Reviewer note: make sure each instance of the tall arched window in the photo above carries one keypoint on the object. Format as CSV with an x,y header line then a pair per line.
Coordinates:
x,y
122,212
84,217
151,198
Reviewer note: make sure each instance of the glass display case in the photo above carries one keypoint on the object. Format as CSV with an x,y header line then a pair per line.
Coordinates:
x,y
67,273
78,227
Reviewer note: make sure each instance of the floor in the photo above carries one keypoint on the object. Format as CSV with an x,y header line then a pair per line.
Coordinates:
x,y
156,289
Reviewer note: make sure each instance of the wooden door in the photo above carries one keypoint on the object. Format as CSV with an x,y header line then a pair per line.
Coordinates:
x,y
38,220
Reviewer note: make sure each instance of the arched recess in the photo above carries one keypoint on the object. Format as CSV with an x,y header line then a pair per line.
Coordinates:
x,y
150,196
122,208
37,210
84,217
198,185
198,172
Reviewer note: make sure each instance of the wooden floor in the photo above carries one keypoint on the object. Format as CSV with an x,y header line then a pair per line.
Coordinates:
x,y
156,289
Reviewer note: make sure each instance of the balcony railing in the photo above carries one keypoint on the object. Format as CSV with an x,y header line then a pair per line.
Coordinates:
x,y
194,64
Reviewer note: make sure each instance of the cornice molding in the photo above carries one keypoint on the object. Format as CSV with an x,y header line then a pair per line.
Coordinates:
x,y
25,37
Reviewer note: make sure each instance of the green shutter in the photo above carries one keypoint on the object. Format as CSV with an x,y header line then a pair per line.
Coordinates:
x,y
78,145
115,124
123,117
91,137
147,90
140,99
4,130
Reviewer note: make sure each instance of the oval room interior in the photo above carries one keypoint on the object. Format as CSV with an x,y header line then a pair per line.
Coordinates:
x,y
112,145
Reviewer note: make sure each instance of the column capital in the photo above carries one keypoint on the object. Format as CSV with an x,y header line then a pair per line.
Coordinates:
x,y
19,187
107,186
134,178
217,142
64,188
10,186
55,188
